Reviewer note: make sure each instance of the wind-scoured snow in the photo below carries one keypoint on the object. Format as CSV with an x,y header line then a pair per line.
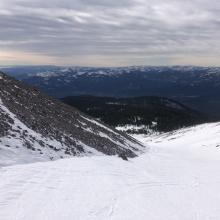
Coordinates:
x,y
177,179
33,123
12,150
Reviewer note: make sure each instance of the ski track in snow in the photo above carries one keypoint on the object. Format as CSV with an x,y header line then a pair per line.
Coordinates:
x,y
174,180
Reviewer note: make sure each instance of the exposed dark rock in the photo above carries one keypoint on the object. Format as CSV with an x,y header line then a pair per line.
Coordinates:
x,y
123,156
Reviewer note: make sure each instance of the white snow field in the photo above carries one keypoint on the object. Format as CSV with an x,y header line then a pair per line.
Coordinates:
x,y
178,178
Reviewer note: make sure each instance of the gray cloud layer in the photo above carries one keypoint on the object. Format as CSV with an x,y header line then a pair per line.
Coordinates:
x,y
110,33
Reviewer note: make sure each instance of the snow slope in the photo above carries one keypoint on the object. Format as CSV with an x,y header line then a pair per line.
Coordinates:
x,y
35,127
177,179
13,149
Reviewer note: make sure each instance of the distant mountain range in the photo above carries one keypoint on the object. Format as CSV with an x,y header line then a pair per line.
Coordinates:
x,y
35,127
197,87
138,114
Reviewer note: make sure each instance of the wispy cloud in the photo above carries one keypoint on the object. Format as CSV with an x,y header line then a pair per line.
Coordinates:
x,y
111,33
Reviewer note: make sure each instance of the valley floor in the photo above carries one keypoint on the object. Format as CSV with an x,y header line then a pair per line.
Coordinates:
x,y
178,178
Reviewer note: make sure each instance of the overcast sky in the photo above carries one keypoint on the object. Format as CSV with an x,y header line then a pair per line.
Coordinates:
x,y
110,32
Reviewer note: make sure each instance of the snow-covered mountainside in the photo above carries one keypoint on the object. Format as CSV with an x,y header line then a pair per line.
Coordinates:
x,y
177,179
36,127
204,138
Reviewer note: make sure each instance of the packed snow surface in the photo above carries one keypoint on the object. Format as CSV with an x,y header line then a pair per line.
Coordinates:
x,y
178,178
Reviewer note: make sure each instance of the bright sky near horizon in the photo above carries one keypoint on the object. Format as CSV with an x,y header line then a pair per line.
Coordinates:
x,y
110,33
